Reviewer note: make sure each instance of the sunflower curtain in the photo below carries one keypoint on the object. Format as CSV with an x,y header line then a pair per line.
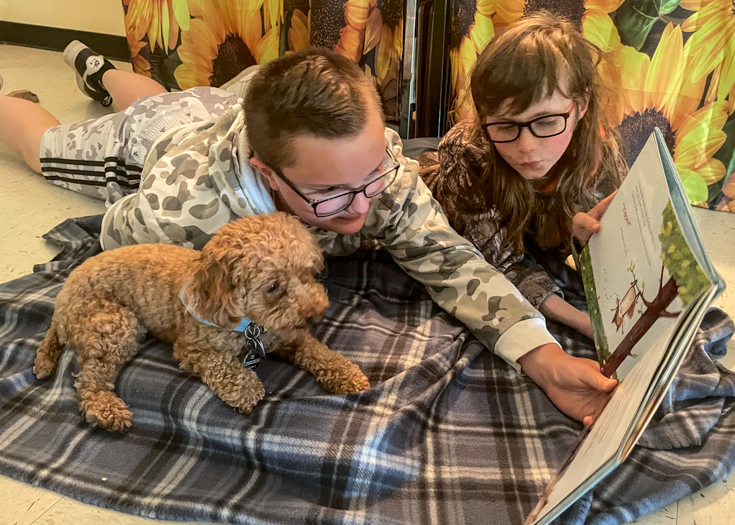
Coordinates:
x,y
187,43
677,61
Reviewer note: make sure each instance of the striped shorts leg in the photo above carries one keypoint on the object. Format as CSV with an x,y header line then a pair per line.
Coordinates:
x,y
87,157
103,158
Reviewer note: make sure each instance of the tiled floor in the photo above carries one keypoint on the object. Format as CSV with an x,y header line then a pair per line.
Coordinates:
x,y
29,207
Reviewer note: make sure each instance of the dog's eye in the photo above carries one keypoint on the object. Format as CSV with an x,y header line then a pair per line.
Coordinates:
x,y
274,288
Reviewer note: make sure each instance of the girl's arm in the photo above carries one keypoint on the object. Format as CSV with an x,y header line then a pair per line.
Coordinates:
x,y
558,310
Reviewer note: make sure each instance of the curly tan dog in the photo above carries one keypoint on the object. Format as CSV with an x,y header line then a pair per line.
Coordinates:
x,y
260,268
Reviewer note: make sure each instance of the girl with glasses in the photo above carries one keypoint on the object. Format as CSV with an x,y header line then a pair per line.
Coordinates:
x,y
538,153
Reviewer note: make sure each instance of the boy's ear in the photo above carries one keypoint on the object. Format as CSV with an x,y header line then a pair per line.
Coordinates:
x,y
268,173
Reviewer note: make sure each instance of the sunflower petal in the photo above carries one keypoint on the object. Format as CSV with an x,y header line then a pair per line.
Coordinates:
x,y
712,116
694,5
598,28
700,136
373,30
385,54
481,32
665,67
267,48
708,45
253,29
727,79
713,171
608,6
298,33
729,188
485,7
165,26
154,37
196,8
180,10
351,43
632,71
508,11
356,13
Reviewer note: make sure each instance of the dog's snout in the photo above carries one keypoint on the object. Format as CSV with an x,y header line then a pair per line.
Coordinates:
x,y
314,303
314,320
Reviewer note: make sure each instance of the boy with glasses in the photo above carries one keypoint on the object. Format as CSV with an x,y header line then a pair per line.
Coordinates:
x,y
308,139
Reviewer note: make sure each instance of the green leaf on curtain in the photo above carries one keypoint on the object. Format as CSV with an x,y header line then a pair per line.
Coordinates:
x,y
165,72
668,6
635,18
694,185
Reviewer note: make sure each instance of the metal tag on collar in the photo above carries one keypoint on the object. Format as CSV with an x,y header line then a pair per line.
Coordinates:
x,y
256,351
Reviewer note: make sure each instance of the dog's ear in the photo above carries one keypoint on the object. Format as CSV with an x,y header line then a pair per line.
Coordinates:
x,y
209,295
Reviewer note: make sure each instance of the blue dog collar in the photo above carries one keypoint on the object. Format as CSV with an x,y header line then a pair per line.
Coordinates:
x,y
244,322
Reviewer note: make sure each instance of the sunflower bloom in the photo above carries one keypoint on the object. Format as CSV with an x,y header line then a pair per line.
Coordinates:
x,y
713,43
657,92
159,19
340,26
223,42
384,34
593,19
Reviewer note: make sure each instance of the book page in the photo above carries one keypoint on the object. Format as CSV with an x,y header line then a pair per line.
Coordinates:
x,y
631,267
599,453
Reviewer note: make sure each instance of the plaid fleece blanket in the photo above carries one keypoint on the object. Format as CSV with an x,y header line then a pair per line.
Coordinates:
x,y
449,434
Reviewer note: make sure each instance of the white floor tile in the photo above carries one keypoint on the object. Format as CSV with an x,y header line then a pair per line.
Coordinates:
x,y
22,504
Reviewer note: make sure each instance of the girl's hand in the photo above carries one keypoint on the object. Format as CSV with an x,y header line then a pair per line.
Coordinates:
x,y
575,385
585,224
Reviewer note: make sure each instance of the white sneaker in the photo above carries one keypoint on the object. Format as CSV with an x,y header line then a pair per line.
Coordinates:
x,y
89,67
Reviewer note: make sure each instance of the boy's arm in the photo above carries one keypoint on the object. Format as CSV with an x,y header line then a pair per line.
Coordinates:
x,y
411,225
418,235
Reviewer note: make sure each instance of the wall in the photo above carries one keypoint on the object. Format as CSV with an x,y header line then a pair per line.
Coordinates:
x,y
97,16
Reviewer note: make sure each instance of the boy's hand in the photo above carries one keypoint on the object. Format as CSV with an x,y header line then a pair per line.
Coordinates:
x,y
575,385
585,224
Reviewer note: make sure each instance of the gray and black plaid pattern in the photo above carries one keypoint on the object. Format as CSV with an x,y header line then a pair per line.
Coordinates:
x,y
449,433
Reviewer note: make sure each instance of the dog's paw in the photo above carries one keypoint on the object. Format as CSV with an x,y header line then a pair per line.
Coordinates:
x,y
106,410
345,382
246,398
43,367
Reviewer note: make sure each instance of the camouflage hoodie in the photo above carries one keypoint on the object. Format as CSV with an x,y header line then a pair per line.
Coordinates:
x,y
193,183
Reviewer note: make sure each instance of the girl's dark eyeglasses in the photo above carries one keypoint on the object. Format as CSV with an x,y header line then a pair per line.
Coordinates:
x,y
541,127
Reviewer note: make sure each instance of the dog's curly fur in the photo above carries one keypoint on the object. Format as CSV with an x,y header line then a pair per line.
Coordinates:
x,y
259,267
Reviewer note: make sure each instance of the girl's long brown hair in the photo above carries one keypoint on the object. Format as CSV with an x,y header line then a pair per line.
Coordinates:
x,y
528,62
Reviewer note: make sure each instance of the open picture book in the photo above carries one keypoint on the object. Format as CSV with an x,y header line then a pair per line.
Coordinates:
x,y
648,282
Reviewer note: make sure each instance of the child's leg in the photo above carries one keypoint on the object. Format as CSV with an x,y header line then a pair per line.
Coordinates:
x,y
99,80
126,87
22,124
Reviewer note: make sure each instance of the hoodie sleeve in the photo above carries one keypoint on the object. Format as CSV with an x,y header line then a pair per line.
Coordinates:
x,y
411,225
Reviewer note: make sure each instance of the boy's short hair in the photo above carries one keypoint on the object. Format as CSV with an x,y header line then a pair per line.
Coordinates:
x,y
312,92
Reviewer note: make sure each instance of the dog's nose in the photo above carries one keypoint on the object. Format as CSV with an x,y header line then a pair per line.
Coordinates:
x,y
314,320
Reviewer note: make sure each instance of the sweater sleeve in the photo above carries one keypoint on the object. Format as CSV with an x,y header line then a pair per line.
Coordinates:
x,y
411,225
447,174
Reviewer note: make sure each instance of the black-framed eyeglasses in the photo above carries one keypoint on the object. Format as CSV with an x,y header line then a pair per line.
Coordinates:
x,y
541,127
338,203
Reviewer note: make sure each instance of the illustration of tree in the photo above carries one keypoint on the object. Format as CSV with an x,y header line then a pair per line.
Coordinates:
x,y
686,280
